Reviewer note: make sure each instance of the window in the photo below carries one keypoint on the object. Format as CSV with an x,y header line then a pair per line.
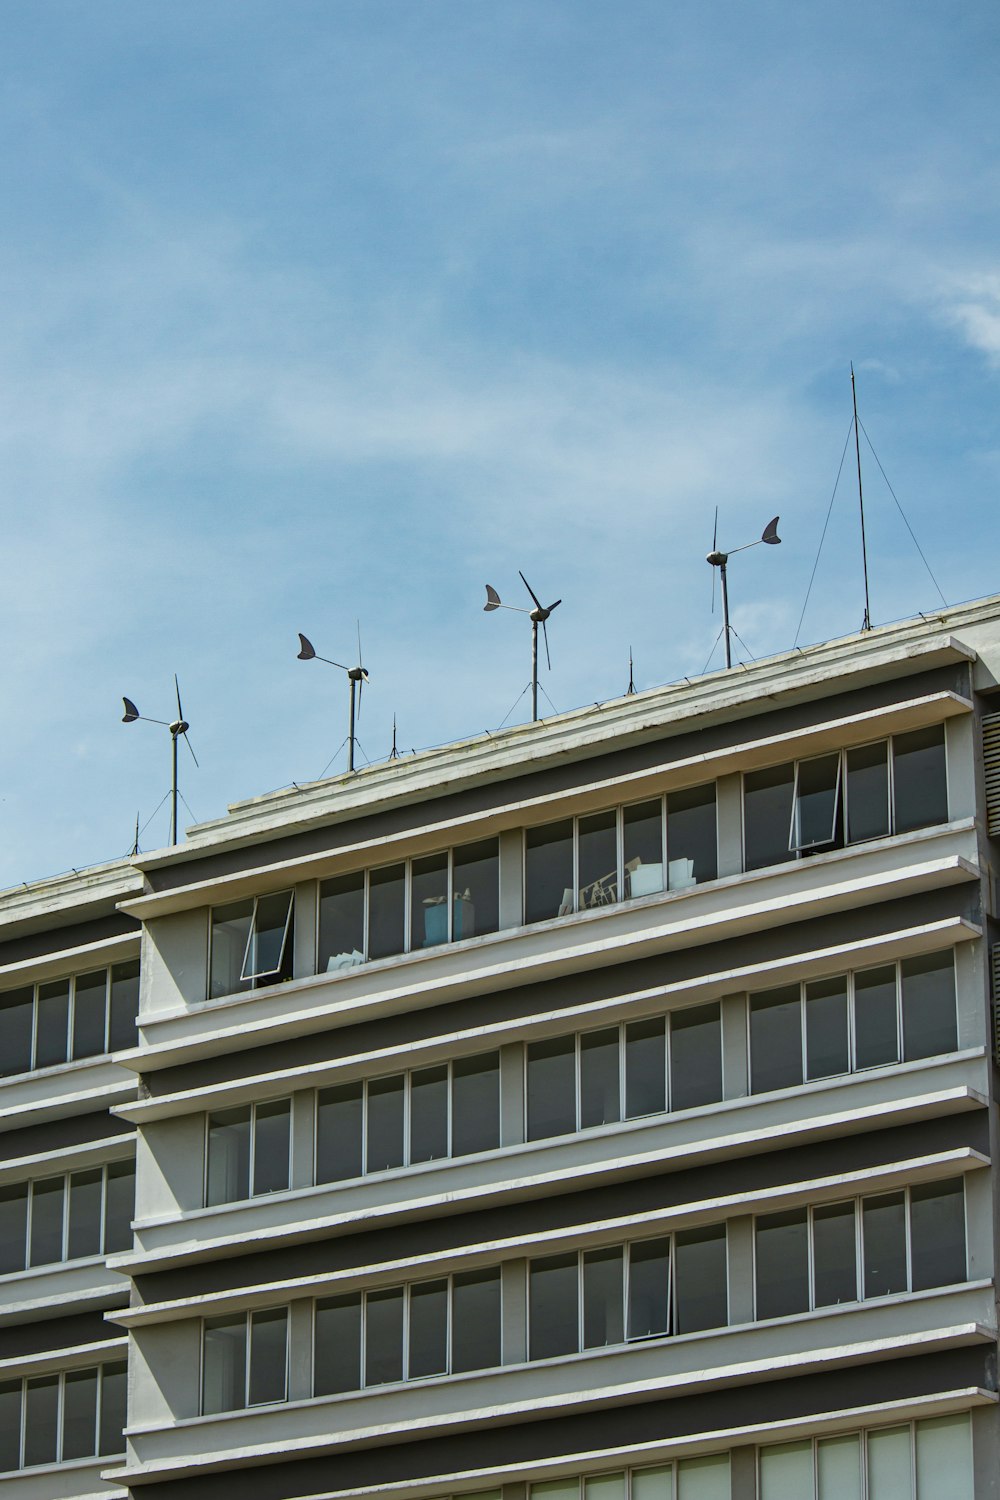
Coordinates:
x,y
65,1020
404,907
803,807
602,858
858,1249
252,944
896,1012
437,1327
445,1110
245,1360
687,1479
577,1082
249,1150
592,1298
48,1419
69,1217
915,1461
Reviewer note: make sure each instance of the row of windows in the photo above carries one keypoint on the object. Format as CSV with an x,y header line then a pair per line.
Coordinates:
x,y
591,1299
688,1479
86,1015
899,1011
48,1419
67,1217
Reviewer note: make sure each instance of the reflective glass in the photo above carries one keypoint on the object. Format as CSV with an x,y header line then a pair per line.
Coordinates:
x,y
868,792
268,1356
124,1006
475,1320
337,1356
930,1024
79,1438
10,1425
604,1487
41,1418
703,1478
600,1089
548,871
884,1234
786,1471
90,1006
119,1208
384,1147
13,1227
692,843
645,1068
835,1272
890,1464
386,905
551,1087
224,1364
648,1288
475,1103
919,779
937,1234
384,1336
597,858
827,1034
775,1039
114,1392
603,1297
475,889
428,1343
875,1034
553,1306
86,1191
429,901
695,1056
767,811
339,1113
17,1015
555,1489
652,1484
782,1263
52,1024
228,1179
701,1296
816,821
47,1221
342,922
230,935
838,1467
272,1138
270,951
944,1458
642,848
429,1113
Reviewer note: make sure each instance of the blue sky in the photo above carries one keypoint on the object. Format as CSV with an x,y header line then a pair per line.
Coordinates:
x,y
317,310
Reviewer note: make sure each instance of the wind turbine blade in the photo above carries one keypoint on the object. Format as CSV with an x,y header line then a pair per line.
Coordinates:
x,y
361,691
492,599
191,748
131,712
770,533
306,649
545,633
177,690
715,538
361,662
538,602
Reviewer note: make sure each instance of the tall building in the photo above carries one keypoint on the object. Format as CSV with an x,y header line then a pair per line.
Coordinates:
x,y
600,1110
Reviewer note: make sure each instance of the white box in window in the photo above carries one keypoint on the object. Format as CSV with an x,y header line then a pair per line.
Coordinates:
x,y
344,961
646,880
680,874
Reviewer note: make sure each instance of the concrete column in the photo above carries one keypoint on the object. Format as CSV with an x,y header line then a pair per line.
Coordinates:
x,y
735,1062
514,1291
174,964
739,1241
960,760
979,1224
972,992
511,878
300,1355
729,811
512,1094
986,1452
303,1138
743,1472
304,958
170,1166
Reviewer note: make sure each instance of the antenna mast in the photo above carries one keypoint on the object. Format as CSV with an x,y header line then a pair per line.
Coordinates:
x,y
867,622
719,559
538,616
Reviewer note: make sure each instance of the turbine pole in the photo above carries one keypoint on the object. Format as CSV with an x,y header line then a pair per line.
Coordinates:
x,y
725,612
173,788
350,735
534,671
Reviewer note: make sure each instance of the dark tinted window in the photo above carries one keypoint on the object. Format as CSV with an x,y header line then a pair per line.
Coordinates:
x,y
386,904
429,1113
875,1040
339,1132
47,1221
268,1356
338,1345
224,1364
476,889
475,1320
597,853
920,786
603,1297
124,1007
13,1227
782,1263
692,844
41,1419
52,1024
475,1103
695,1056
767,813
86,1191
868,792
342,922
645,1068
272,1143
700,1273
600,1091
428,1344
551,1088
429,901
548,870
384,1336
937,1234
929,1020
642,848
17,1011
90,1006
80,1414
10,1425
114,1385
120,1206
553,1306
827,1039
884,1234
835,1254
648,1288
775,1039
228,1178
385,1124
816,821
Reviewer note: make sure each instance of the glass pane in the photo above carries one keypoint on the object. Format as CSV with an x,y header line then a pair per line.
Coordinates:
x,y
817,802
270,951
604,1487
385,1124
114,1393
548,871
80,1414
692,844
875,1038
890,1466
868,792
41,1416
835,1253
775,1039
230,934
930,1024
386,904
695,1056
429,901
268,1356
827,1040
645,1068
338,1346
475,1104
338,1132
944,1458
10,1425
838,1467
700,1275
52,1023
225,1356
428,1329
653,1484
429,1113
90,1004
228,1156
13,1227
47,1221
883,1220
475,1320
384,1336
648,1288
603,1297
553,1306
124,1009
119,1208
600,1090
642,848
272,1139
919,779
551,1087
937,1234
555,1489
17,1015
475,889
86,1190
598,860
703,1478
786,1472
767,811
342,922
782,1263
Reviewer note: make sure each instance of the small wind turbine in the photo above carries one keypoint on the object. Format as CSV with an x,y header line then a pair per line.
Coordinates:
x,y
538,616
356,676
177,727
719,560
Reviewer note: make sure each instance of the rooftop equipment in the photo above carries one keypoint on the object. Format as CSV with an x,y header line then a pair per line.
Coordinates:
x,y
538,616
177,727
356,676
720,560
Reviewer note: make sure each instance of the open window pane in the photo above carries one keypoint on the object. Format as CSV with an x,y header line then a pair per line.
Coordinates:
x,y
827,1033
429,901
475,1103
782,1263
648,1288
268,1356
548,871
338,1346
86,1192
816,817
919,778
600,1090
603,1297
271,1146
124,1006
228,1179
268,953
230,936
475,907
937,1234
384,1336
767,811
339,1113
429,1113
17,1016
775,1039
700,1272
695,1056
52,1024
13,1227
835,1253
385,1124
551,1087
47,1221
868,792
114,1396
884,1232
875,1029
80,1414
476,1320
386,907
692,842
342,922
428,1353
645,1068
642,848
553,1306
930,1023
119,1207
224,1365
90,1007
41,1420
10,1425
598,860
